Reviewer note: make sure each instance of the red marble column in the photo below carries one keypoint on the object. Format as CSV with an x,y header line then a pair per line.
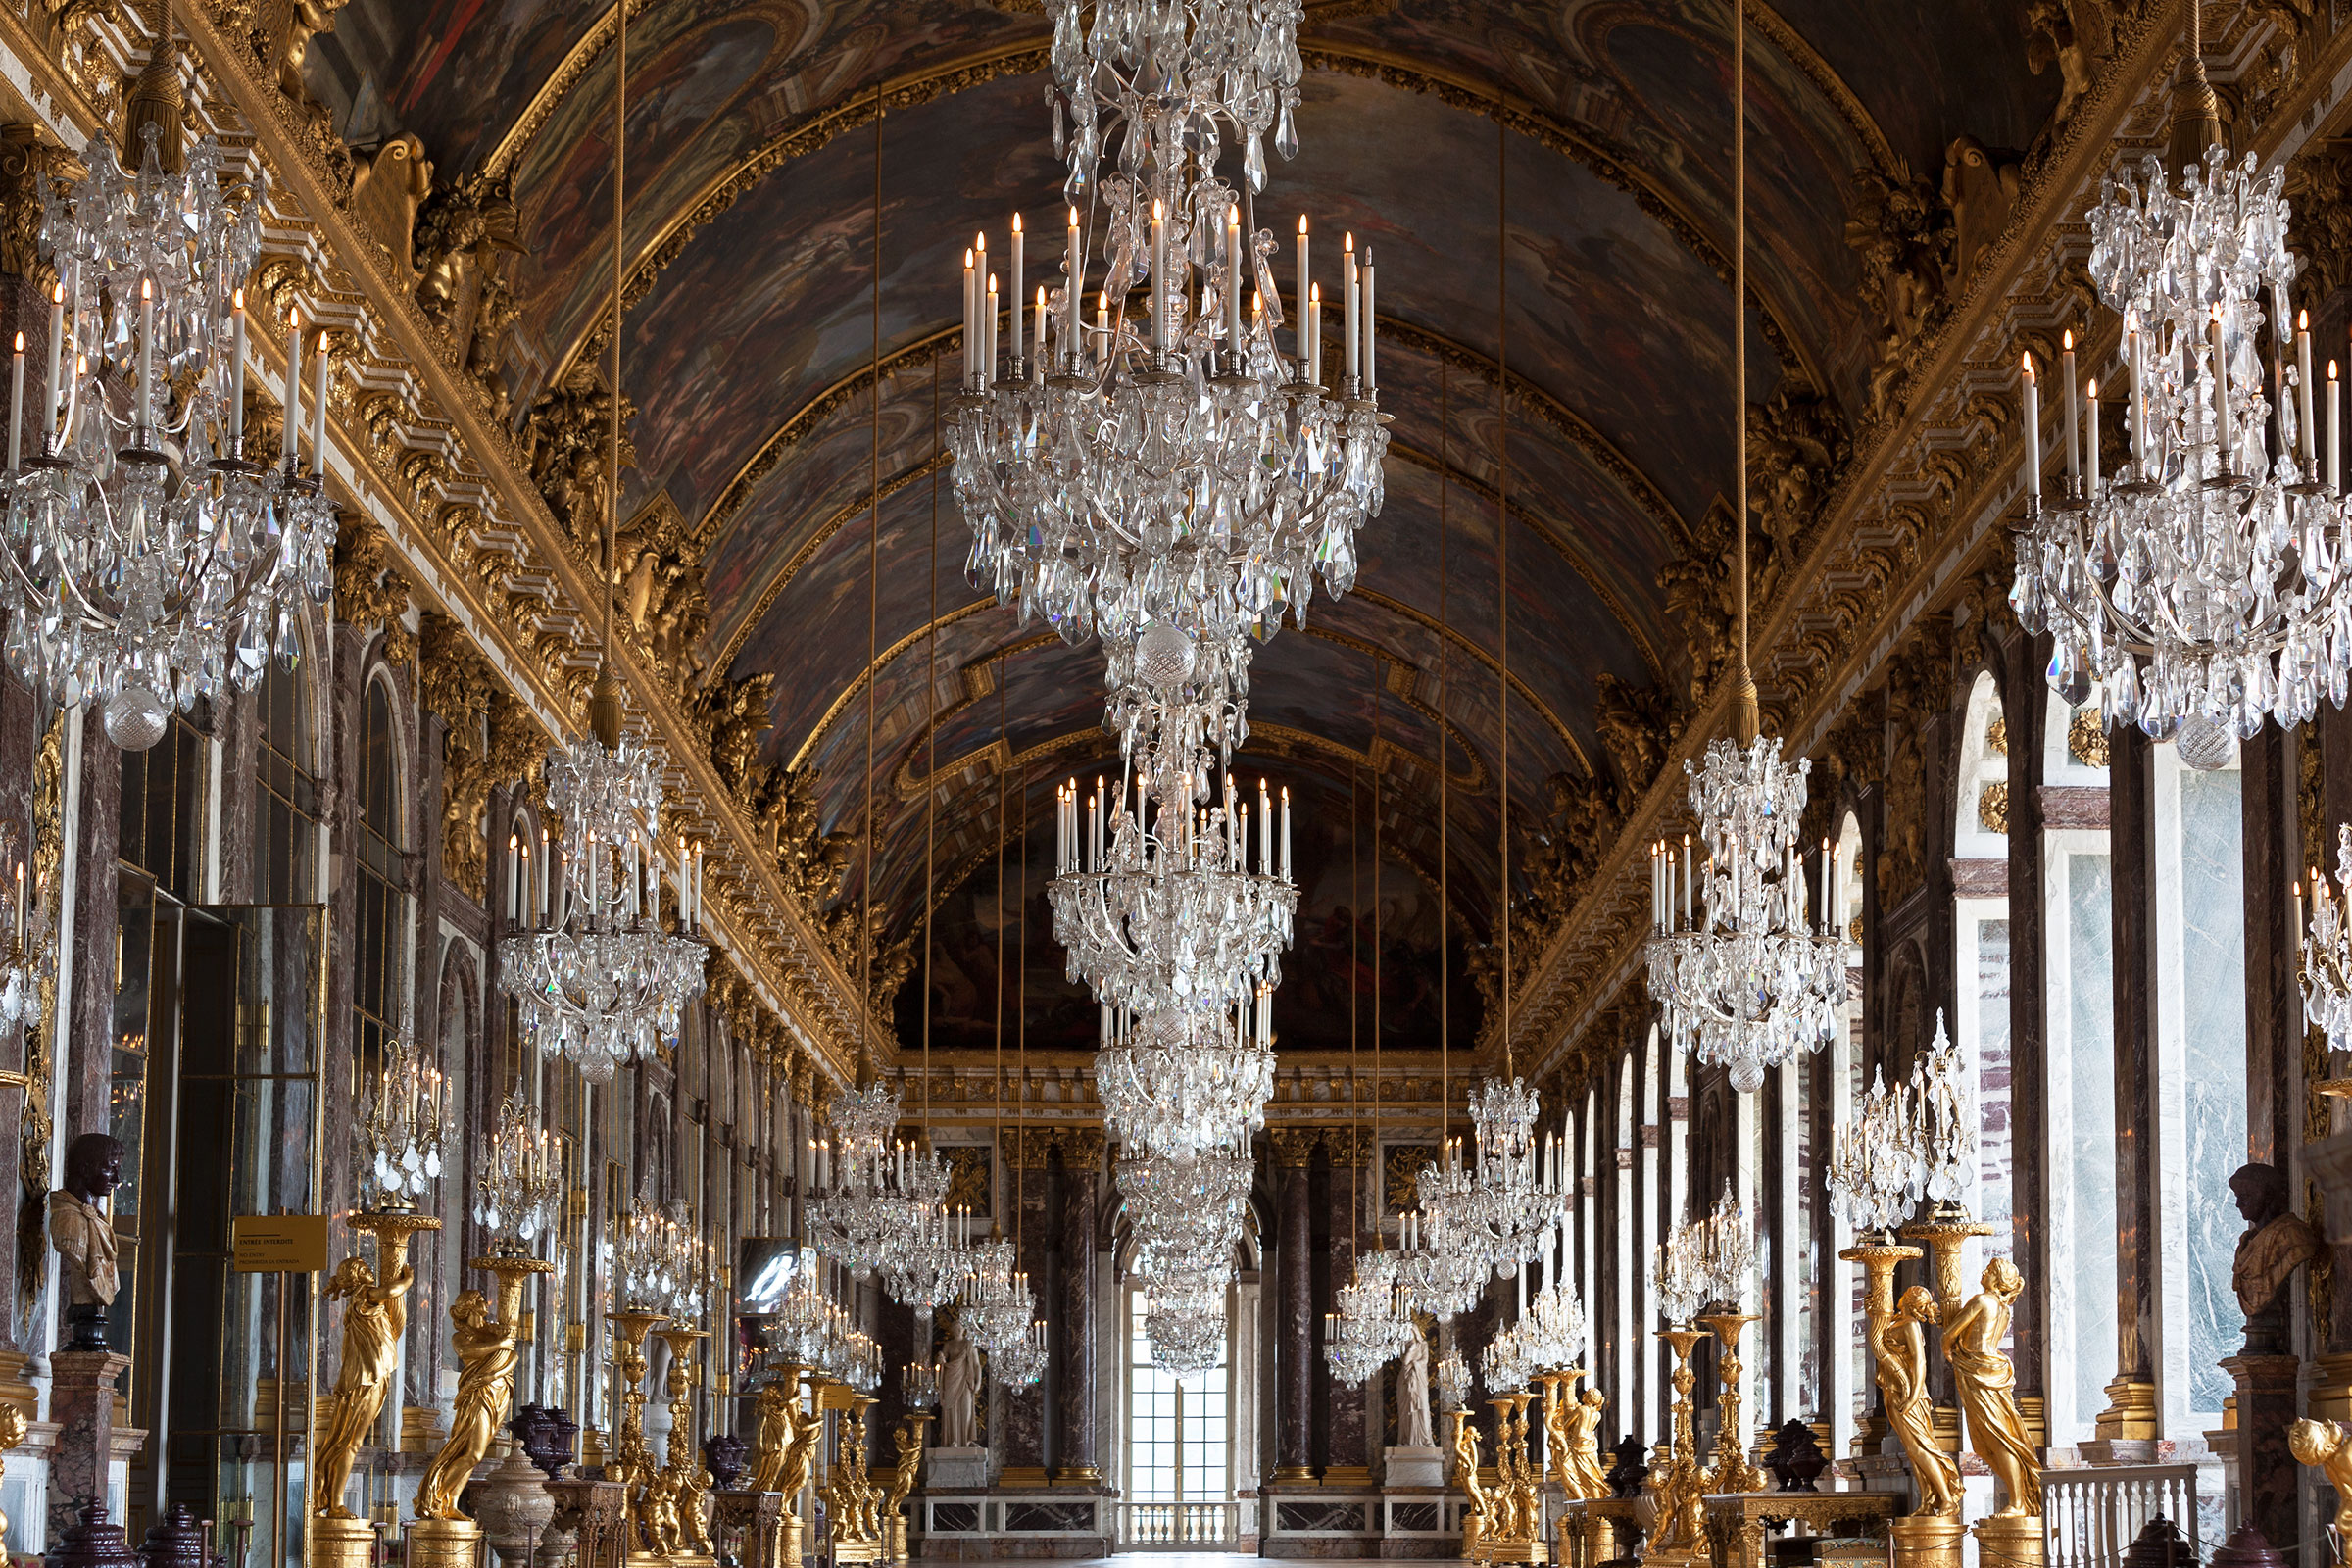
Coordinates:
x,y
2130,1421
1074,1458
1293,1355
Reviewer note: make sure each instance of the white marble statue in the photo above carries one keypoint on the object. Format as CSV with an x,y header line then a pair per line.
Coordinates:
x,y
958,1392
1412,1395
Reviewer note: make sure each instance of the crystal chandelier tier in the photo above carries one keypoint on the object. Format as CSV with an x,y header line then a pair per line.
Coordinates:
x,y
1944,1121
2327,947
2202,583
1186,1214
1677,1276
1446,1269
602,980
927,1261
995,1303
148,562
403,1123
1872,1166
1373,1319
1185,1325
522,1177
1166,73
1158,905
1167,471
1019,1364
880,1207
1180,1083
1490,1217
658,1265
1747,976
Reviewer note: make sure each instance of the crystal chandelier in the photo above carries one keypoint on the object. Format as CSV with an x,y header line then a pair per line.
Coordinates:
x,y
657,1263
1373,1320
601,979
1943,1122
1492,1217
1547,1335
1724,1244
1178,1083
1678,1276
148,562
926,1264
1157,906
874,1208
1445,1268
1022,1363
521,1180
1873,1161
1171,73
1185,1325
2201,584
2326,945
402,1123
995,1303
1747,977
1165,468
1452,1379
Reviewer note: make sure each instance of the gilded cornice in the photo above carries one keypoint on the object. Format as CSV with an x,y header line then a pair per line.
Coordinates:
x,y
484,504
1874,561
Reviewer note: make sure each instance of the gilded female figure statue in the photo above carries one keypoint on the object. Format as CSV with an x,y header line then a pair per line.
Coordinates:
x,y
800,1457
1987,1385
1589,1478
372,1322
1465,1476
771,1435
1900,1348
485,1381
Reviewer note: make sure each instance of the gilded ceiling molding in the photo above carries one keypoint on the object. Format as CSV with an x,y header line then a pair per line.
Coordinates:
x,y
788,960
2019,286
1554,414
1801,53
566,76
800,421
1485,495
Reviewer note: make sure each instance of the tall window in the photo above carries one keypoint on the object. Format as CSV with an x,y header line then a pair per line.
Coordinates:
x,y
376,864
1980,874
285,808
1178,1433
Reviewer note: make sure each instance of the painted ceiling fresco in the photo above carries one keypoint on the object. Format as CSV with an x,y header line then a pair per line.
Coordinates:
x,y
1547,185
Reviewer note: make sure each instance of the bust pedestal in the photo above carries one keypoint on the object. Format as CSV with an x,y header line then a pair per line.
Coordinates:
x,y
81,1401
1413,1467
957,1469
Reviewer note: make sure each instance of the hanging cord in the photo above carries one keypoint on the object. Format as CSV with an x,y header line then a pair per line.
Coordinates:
x,y
604,699
1380,1179
995,1222
1743,711
873,590
930,749
1355,926
1021,1036
1502,548
1445,781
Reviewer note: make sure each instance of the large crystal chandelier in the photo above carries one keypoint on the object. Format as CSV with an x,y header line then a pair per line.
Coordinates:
x,y
1872,1166
1491,1217
600,978
880,1207
1158,905
2200,586
522,1177
1445,1268
1373,1319
148,561
1747,976
1179,1083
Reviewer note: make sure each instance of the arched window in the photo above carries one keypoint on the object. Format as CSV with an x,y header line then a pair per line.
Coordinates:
x,y
1981,891
1631,1335
1179,1443
285,805
382,923
2079,1002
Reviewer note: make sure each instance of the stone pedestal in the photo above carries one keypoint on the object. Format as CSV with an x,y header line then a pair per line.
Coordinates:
x,y
1413,1467
342,1543
81,1401
957,1469
2012,1541
2267,1472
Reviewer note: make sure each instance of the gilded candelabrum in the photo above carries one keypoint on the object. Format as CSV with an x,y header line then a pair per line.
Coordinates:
x,y
374,1320
488,1346
852,1502
909,1438
1733,1470
1480,1512
684,1469
630,1463
1677,1536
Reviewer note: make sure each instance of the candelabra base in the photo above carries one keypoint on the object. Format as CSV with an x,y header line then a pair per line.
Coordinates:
x,y
1527,1551
788,1541
642,1558
444,1544
844,1552
1928,1541
894,1546
692,1559
342,1543
2010,1541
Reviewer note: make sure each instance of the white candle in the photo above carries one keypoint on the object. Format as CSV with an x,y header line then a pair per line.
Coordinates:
x,y
1286,833
1351,303
1311,369
1075,264
1021,248
970,320
16,405
1037,371
2335,433
57,360
1159,278
2074,415
236,374
988,333
1102,329
2140,401
144,389
1685,881
319,412
2307,448
2091,435
1265,831
1371,330
2220,393
2032,423
293,430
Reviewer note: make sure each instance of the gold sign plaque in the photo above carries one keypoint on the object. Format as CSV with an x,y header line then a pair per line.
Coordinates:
x,y
277,1244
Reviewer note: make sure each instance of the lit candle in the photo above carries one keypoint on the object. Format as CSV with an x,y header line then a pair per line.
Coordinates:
x,y
1310,365
57,360
293,430
1159,277
2299,927
143,392
1037,371
988,333
1285,832
1102,329
2074,415
2091,435
2308,448
2032,423
16,405
1371,330
2139,403
1685,881
513,876
1233,282
1020,249
1351,303
1265,831
236,374
2335,433
1074,263
971,315
318,412
1304,283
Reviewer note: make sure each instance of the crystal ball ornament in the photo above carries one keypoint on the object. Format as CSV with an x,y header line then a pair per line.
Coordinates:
x,y
135,718
2203,745
1165,655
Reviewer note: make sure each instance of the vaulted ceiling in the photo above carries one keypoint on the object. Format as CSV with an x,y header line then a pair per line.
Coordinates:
x,y
1547,187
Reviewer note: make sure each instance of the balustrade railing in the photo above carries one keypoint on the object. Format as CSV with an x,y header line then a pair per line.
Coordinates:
x,y
2092,1516
1180,1526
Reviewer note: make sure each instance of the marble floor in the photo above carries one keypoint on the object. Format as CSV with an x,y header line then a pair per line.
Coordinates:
x,y
1178,1559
